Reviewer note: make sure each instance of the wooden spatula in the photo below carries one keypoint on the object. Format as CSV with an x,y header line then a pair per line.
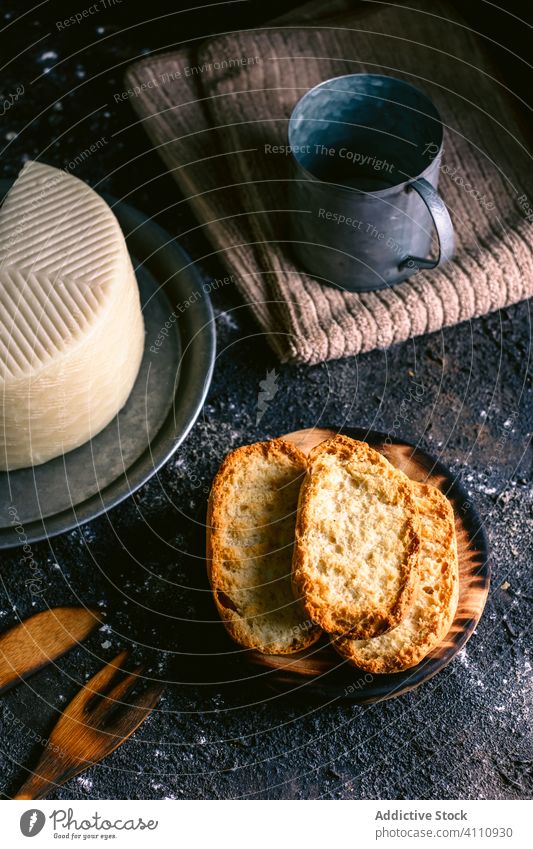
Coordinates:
x,y
98,719
42,638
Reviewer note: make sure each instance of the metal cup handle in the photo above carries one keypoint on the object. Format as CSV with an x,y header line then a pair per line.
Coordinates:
x,y
443,225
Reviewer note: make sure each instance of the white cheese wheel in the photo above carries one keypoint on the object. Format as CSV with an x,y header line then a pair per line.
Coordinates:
x,y
71,328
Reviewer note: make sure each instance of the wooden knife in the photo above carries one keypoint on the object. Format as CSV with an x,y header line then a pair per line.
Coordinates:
x,y
31,644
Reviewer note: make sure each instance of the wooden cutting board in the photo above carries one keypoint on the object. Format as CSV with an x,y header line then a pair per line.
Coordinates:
x,y
320,671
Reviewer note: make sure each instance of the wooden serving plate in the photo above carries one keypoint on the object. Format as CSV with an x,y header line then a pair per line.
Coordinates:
x,y
320,671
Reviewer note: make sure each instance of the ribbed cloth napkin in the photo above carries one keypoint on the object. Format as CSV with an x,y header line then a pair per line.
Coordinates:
x,y
211,109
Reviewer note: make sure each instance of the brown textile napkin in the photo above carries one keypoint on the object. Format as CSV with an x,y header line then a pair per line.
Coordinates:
x,y
212,111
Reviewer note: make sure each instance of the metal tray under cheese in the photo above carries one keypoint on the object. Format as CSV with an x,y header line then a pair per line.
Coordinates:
x,y
57,496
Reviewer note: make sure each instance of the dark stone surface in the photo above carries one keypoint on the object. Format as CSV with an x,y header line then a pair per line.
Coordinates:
x,y
466,733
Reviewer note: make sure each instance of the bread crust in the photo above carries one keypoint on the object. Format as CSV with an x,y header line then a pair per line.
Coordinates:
x,y
223,571
436,599
366,618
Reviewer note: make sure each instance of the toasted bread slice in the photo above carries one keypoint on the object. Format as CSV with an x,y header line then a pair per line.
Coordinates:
x,y
251,518
355,557
433,610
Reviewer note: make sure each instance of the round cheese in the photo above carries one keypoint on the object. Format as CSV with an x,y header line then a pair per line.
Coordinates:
x,y
71,328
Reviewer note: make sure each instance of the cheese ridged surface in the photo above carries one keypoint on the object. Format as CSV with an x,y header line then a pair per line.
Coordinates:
x,y
71,328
